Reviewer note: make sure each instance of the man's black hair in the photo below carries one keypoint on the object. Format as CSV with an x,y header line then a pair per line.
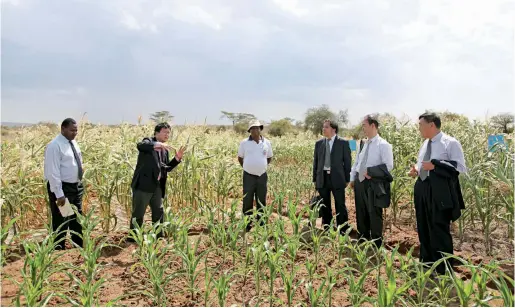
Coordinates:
x,y
161,126
333,124
372,119
67,122
431,117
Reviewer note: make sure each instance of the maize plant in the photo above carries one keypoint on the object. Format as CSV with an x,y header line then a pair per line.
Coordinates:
x,y
208,281
222,286
152,255
4,242
356,280
191,259
290,281
88,279
273,260
259,258
389,293
40,264
204,193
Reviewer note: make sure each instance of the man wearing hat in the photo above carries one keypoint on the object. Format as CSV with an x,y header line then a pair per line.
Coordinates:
x,y
254,155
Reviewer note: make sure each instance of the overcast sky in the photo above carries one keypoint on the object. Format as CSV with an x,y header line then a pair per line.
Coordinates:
x,y
118,59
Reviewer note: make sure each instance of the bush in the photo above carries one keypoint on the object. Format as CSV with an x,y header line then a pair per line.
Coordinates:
x,y
281,128
316,116
241,128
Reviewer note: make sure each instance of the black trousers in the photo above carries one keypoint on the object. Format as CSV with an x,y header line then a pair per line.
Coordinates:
x,y
140,201
369,218
326,211
254,188
433,226
73,192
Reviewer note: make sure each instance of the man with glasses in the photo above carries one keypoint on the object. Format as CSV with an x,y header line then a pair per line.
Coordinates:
x,y
149,180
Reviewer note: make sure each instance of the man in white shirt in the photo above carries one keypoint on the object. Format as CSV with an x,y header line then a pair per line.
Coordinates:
x,y
63,171
375,153
437,192
254,155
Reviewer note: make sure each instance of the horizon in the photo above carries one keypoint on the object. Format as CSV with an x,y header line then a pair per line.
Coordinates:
x,y
147,121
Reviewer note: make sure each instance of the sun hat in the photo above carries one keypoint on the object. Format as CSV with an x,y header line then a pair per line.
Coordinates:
x,y
255,123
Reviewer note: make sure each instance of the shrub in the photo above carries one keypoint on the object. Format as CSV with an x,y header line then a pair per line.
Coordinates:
x,y
281,127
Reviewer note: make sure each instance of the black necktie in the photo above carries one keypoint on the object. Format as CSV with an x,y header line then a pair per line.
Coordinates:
x,y
77,159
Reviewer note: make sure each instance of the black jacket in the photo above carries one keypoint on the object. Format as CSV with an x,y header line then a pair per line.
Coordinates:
x,y
445,187
341,163
148,168
379,195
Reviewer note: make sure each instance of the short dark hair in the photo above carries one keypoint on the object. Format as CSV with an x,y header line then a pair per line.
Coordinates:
x,y
372,119
67,122
431,117
333,124
161,126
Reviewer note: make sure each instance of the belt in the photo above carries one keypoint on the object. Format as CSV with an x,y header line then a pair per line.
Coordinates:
x,y
67,183
257,176
72,184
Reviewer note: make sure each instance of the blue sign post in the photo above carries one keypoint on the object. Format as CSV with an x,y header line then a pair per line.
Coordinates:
x,y
495,141
352,144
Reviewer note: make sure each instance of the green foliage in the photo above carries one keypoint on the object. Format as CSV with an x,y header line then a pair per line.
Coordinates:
x,y
281,127
315,116
161,117
503,123
203,213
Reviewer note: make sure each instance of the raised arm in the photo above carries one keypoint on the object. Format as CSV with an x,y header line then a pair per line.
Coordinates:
x,y
146,145
172,164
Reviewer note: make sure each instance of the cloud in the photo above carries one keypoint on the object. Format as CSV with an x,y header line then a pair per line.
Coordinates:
x,y
275,58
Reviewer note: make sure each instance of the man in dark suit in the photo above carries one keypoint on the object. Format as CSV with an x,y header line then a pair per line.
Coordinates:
x,y
149,180
332,164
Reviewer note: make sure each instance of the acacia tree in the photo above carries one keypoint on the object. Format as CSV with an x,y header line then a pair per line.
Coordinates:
x,y
237,117
239,120
161,117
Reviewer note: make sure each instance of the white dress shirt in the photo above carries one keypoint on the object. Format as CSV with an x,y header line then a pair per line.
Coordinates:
x,y
331,142
255,155
60,164
444,147
380,152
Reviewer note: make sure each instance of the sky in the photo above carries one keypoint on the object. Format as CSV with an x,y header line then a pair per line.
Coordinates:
x,y
116,60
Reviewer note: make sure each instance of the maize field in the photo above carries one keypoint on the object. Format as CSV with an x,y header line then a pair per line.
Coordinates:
x,y
208,259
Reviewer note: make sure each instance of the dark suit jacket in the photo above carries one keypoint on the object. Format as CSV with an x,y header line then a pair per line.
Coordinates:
x,y
379,194
445,187
341,163
148,168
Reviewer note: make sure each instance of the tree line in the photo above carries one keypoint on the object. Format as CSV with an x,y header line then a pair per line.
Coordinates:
x,y
314,117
